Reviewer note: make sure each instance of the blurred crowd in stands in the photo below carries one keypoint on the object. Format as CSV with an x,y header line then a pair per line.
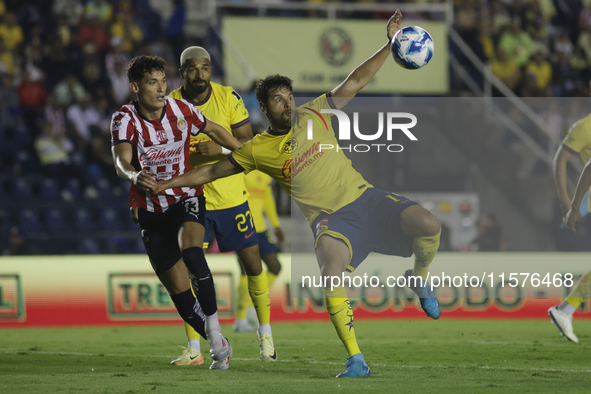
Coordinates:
x,y
538,48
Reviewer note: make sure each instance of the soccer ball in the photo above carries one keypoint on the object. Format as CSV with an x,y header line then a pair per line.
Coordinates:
x,y
412,47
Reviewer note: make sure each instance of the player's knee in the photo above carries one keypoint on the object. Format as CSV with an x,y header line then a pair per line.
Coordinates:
x,y
430,225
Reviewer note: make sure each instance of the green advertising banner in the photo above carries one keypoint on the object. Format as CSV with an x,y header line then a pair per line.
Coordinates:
x,y
318,54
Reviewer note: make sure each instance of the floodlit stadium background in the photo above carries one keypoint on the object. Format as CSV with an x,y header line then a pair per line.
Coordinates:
x,y
62,67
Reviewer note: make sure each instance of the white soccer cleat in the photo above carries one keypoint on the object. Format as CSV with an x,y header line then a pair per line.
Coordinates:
x,y
564,323
189,357
219,347
268,352
221,364
243,326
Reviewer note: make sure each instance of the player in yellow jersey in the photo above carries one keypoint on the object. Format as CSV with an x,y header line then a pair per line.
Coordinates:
x,y
228,217
348,216
577,143
262,204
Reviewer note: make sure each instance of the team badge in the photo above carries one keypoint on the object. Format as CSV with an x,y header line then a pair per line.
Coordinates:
x,y
182,124
116,124
290,146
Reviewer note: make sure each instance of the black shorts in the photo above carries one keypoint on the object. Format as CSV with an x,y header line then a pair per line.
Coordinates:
x,y
160,231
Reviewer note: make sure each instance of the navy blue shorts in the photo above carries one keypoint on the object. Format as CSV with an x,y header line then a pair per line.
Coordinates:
x,y
369,224
266,245
160,231
233,228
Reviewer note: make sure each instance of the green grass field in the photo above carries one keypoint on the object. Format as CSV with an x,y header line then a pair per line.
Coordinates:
x,y
404,356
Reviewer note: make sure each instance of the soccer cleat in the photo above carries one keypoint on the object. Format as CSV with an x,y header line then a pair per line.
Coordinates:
x,y
219,347
243,326
268,352
356,368
220,364
564,323
189,357
426,297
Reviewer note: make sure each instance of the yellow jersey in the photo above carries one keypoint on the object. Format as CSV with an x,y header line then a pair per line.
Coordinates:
x,y
578,139
318,180
578,142
225,107
261,200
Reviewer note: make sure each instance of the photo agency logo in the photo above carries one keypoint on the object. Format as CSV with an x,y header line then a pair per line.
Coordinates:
x,y
391,122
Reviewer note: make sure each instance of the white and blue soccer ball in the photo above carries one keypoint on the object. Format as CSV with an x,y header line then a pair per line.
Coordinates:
x,y
412,47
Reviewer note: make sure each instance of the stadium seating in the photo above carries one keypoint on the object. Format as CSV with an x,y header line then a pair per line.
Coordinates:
x,y
28,221
55,221
22,189
88,246
48,189
110,220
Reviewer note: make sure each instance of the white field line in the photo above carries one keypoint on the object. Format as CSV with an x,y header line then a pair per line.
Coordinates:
x,y
308,361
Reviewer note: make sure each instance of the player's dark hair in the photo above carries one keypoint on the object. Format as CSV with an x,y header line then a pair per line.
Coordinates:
x,y
140,65
264,86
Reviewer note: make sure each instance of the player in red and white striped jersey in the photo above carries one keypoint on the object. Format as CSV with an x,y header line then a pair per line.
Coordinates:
x,y
151,135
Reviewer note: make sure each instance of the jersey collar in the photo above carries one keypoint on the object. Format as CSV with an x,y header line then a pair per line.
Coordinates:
x,y
137,109
272,132
205,100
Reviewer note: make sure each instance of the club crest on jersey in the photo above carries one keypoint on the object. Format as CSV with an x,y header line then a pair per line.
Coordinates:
x,y
182,124
161,135
290,146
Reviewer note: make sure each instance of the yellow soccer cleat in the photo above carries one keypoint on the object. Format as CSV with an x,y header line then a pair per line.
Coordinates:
x,y
189,357
268,352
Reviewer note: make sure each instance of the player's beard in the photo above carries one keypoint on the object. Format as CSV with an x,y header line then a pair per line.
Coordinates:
x,y
283,122
199,88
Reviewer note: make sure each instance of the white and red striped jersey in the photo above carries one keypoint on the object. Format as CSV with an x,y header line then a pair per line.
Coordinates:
x,y
160,146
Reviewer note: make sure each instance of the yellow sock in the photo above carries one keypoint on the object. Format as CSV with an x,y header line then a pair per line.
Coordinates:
x,y
243,298
424,249
192,335
258,288
271,279
247,301
341,316
581,291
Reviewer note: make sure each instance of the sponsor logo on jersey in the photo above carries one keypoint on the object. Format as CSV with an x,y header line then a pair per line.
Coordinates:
x,y
155,156
294,145
286,169
116,125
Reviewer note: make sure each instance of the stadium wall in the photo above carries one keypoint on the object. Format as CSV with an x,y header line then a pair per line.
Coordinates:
x,y
123,290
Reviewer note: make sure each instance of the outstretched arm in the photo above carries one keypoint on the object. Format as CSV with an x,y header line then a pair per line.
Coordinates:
x,y
221,136
196,177
560,161
573,217
361,76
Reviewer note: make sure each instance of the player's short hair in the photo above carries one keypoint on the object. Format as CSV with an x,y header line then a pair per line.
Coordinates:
x,y
194,53
140,65
271,82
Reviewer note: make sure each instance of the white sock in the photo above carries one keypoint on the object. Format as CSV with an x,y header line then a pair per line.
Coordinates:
x,y
195,344
567,308
265,329
212,325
